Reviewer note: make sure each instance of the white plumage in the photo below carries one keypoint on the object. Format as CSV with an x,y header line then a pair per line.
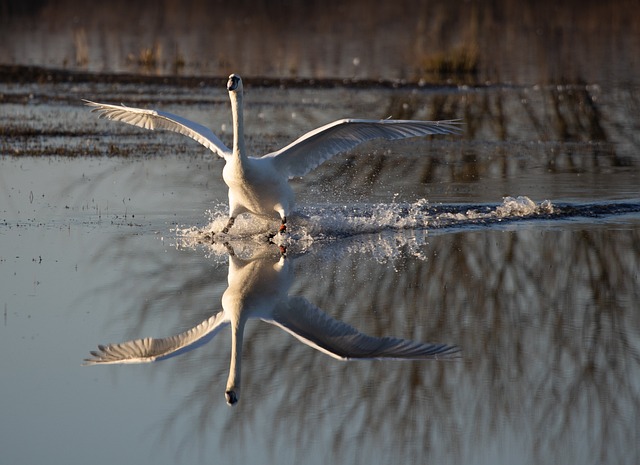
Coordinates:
x,y
259,185
258,288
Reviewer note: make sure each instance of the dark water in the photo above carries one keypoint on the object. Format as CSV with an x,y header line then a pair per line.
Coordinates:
x,y
518,241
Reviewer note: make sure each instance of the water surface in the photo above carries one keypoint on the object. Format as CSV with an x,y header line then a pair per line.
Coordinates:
x,y
101,240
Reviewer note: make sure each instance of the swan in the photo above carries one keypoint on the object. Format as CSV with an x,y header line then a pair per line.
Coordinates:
x,y
259,185
258,288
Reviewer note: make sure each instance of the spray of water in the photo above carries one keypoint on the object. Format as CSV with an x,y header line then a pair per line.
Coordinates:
x,y
380,230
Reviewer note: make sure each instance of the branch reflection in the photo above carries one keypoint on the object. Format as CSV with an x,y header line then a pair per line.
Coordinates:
x,y
552,346
259,288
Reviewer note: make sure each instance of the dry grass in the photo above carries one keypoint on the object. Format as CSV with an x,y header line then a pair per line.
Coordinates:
x,y
497,40
463,60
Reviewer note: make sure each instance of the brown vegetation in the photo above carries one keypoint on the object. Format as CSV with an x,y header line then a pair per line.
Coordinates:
x,y
412,40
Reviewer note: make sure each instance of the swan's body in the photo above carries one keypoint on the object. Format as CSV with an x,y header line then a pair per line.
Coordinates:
x,y
259,289
260,185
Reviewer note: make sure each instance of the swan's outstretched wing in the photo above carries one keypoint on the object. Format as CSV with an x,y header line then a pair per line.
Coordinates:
x,y
150,349
317,146
317,329
154,119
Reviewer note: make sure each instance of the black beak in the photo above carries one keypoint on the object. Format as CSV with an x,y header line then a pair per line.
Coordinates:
x,y
231,397
232,83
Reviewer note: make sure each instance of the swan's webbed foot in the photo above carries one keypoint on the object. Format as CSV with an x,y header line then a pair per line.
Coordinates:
x,y
230,250
282,233
281,230
209,238
232,220
283,226
281,248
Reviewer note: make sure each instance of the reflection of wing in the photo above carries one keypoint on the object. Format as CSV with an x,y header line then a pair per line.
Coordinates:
x,y
150,349
155,119
317,329
319,145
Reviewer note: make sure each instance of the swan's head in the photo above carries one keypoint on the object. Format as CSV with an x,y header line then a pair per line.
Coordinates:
x,y
234,84
232,395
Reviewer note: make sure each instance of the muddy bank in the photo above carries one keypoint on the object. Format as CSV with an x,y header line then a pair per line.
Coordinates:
x,y
20,74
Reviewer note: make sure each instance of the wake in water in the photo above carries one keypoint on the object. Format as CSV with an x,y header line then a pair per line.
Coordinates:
x,y
379,229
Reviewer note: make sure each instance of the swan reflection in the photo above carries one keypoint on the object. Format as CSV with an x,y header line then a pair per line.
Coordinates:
x,y
258,288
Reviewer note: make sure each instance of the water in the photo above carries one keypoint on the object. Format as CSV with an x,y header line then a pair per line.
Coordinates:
x,y
518,241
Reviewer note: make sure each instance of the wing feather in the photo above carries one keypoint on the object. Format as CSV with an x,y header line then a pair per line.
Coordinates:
x,y
339,340
152,349
155,119
317,146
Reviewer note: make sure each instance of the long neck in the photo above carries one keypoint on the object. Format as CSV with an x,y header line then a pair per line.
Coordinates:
x,y
238,124
237,330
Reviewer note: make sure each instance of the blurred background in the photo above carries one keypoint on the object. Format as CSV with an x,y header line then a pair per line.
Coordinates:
x,y
419,41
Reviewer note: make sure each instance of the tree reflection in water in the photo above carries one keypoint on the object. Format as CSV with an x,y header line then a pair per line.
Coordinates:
x,y
544,315
259,288
544,310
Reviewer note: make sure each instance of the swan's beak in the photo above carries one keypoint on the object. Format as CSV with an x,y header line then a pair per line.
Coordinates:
x,y
232,83
231,397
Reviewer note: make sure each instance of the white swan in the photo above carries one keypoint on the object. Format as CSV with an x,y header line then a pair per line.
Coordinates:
x,y
260,185
258,288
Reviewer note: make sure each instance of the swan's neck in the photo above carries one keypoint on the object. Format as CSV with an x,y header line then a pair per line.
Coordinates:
x,y
237,331
238,124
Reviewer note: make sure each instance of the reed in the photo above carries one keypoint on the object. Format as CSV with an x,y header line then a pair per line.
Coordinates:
x,y
500,41
462,63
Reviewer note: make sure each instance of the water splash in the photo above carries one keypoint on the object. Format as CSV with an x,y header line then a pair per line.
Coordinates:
x,y
381,230
511,208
